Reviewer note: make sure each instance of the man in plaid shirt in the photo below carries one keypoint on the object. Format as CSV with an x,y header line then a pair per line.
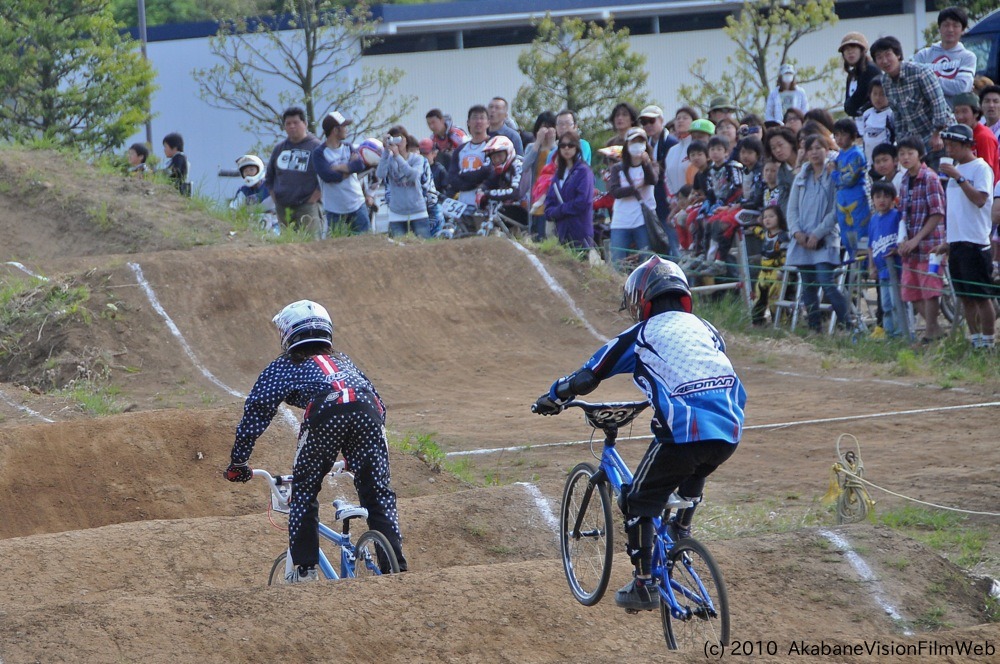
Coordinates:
x,y
915,95
922,205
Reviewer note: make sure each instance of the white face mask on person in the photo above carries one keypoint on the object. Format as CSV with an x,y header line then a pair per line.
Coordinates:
x,y
787,78
636,149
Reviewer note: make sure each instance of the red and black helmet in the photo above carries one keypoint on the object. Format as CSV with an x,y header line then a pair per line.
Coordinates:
x,y
500,144
654,278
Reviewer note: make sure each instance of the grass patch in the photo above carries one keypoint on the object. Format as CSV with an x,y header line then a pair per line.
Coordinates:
x,y
477,530
425,448
100,216
422,446
501,550
94,399
714,521
28,306
551,248
943,531
899,563
932,619
992,608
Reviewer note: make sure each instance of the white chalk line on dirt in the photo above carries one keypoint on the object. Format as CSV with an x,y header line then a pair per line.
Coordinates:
x,y
866,574
556,288
776,425
22,268
26,410
155,303
543,505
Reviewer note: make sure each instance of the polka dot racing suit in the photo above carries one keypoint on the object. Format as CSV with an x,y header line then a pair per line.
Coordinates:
x,y
343,414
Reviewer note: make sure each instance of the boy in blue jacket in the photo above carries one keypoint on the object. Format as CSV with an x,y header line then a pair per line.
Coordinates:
x,y
679,361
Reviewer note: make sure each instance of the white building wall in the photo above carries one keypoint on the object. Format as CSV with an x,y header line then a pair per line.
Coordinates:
x,y
455,80
213,137
451,80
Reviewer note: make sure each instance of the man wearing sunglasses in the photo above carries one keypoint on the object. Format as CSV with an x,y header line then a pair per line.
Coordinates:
x,y
651,119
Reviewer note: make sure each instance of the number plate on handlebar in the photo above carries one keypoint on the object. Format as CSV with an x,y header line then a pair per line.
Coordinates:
x,y
280,504
605,415
454,209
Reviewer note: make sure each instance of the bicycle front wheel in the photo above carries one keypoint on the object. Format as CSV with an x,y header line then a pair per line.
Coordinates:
x,y
373,556
701,593
278,571
586,536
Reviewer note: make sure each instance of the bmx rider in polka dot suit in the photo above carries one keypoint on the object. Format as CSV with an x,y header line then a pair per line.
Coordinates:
x,y
343,414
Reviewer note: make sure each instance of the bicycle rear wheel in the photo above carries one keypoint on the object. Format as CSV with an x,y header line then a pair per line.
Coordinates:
x,y
586,536
373,556
701,592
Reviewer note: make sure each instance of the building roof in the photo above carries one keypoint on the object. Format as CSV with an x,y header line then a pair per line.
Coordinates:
x,y
465,14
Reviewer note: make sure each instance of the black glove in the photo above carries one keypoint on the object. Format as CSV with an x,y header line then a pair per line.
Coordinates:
x,y
544,405
239,472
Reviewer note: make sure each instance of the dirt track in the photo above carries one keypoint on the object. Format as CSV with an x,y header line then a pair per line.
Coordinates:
x,y
122,543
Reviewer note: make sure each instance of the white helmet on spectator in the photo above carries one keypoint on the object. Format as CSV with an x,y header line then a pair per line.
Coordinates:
x,y
500,144
250,160
303,322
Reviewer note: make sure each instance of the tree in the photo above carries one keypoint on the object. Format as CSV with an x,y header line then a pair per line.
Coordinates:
x,y
68,76
765,32
315,63
162,12
583,67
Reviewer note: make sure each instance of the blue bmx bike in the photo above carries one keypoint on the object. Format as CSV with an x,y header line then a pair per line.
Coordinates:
x,y
694,606
371,555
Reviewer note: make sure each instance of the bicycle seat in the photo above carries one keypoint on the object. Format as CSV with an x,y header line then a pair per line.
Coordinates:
x,y
675,502
346,511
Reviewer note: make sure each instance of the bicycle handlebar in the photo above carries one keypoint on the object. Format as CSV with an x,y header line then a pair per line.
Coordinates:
x,y
339,468
608,416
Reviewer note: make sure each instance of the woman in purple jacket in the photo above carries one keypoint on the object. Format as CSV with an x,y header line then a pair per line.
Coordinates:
x,y
570,199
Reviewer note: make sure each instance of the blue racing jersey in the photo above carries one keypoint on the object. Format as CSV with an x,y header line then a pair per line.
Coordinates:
x,y
679,362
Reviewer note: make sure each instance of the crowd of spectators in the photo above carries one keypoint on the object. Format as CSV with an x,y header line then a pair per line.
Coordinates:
x,y
683,185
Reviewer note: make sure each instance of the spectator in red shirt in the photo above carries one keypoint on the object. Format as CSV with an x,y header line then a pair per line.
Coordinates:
x,y
968,113
446,136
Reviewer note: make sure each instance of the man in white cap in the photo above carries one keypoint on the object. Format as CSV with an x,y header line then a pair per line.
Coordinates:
x,y
660,140
344,199
785,95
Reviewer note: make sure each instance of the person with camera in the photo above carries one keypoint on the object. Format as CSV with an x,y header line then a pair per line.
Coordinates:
x,y
406,172
344,200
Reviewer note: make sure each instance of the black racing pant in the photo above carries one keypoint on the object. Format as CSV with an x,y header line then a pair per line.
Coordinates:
x,y
356,430
667,467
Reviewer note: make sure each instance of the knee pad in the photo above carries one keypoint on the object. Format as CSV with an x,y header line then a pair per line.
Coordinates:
x,y
639,530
